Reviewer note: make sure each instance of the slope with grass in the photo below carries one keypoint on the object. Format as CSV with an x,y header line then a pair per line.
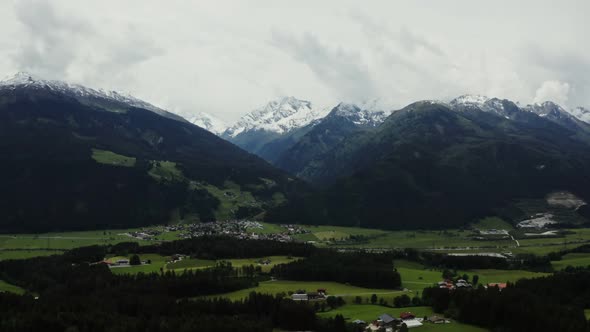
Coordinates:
x,y
67,165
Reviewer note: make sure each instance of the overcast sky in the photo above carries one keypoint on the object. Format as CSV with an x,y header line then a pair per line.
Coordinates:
x,y
228,57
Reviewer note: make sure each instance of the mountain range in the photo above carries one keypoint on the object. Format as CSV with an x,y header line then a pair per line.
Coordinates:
x,y
78,158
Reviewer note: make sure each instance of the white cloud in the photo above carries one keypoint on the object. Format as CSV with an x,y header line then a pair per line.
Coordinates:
x,y
555,91
228,56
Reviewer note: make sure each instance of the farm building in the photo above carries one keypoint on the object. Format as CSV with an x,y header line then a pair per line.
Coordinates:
x,y
411,323
299,297
501,285
407,315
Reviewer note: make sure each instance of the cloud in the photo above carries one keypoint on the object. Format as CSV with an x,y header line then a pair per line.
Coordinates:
x,y
343,70
555,91
227,57
46,46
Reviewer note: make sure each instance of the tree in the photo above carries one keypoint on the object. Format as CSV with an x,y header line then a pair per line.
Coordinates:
x,y
416,301
447,274
135,260
475,279
465,277
339,324
358,300
403,328
373,298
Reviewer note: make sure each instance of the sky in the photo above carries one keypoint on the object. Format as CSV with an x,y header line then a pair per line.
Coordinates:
x,y
229,57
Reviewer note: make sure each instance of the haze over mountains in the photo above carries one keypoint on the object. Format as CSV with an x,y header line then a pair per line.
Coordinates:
x,y
72,153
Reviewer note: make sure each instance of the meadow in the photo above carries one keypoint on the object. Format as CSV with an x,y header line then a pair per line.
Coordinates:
x,y
348,292
6,287
369,312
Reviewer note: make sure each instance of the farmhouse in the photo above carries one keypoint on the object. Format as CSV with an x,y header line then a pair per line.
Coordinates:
x,y
411,323
500,285
437,320
407,315
299,297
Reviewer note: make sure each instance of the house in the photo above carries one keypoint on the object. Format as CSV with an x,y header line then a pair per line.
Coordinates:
x,y
437,320
407,315
411,323
313,295
359,322
500,285
322,291
387,320
299,297
122,262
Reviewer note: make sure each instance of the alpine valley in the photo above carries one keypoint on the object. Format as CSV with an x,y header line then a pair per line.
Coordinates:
x,y
377,167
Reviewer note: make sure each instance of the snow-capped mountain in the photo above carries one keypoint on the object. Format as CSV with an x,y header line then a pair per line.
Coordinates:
x,y
581,113
209,122
469,100
278,116
361,115
509,109
110,100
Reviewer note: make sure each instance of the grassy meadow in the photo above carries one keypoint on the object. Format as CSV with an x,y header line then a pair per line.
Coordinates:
x,y
368,313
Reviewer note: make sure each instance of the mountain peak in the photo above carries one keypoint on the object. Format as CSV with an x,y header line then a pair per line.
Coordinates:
x,y
469,100
85,95
361,115
279,116
209,122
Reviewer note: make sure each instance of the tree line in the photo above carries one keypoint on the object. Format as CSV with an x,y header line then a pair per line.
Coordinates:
x,y
553,303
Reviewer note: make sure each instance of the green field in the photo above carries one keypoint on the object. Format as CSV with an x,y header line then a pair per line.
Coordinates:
x,y
493,223
189,263
111,158
587,313
165,170
416,277
231,197
333,288
24,254
65,240
6,287
158,262
368,313
572,259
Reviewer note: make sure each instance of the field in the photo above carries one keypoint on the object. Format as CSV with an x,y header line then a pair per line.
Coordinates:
x,y
573,259
6,287
416,277
368,313
230,196
493,223
23,254
20,246
337,289
162,263
111,158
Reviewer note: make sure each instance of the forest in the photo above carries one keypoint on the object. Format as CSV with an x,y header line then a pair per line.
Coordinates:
x,y
553,303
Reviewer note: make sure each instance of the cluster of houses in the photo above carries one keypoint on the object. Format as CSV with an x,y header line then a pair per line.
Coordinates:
x,y
240,229
144,234
450,284
388,323
301,295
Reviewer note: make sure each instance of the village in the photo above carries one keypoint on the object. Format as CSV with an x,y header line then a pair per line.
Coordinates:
x,y
239,229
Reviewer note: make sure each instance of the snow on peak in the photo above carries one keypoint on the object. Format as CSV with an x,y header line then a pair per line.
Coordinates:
x,y
278,116
79,92
208,122
469,100
367,113
581,113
